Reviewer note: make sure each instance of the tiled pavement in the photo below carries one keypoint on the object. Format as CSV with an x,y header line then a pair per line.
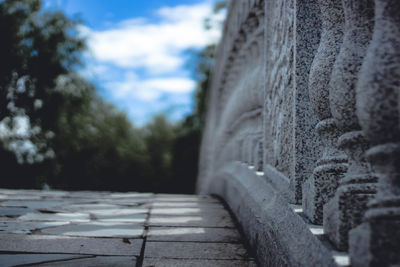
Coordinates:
x,y
57,228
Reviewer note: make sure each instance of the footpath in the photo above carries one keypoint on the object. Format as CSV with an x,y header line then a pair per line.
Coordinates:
x,y
59,228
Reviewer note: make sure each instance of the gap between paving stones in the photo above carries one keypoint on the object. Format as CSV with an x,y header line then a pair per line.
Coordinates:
x,y
197,219
140,259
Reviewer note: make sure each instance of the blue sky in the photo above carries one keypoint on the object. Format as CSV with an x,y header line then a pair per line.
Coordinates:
x,y
136,53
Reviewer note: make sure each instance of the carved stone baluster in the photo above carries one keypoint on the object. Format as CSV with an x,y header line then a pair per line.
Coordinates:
x,y
245,150
252,149
376,242
258,155
322,185
345,210
240,150
239,142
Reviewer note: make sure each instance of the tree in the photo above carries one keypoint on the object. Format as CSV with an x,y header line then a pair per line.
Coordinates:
x,y
159,138
186,147
55,129
36,48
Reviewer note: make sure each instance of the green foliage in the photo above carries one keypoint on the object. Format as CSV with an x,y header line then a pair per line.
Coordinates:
x,y
71,138
36,48
186,146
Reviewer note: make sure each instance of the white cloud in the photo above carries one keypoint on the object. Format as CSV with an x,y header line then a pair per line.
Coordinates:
x,y
139,63
157,47
148,89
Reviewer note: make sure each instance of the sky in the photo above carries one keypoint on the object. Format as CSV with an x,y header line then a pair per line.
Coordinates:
x,y
137,51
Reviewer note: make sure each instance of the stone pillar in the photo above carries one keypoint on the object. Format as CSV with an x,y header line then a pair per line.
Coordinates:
x,y
345,210
376,242
238,150
245,150
322,185
258,155
252,148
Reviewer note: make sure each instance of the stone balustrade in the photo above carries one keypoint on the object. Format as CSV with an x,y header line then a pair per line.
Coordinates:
x,y
331,167
378,95
357,187
302,135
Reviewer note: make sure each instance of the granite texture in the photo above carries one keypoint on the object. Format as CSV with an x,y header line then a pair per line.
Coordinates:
x,y
308,145
235,122
331,166
277,233
279,85
358,182
378,102
150,262
303,118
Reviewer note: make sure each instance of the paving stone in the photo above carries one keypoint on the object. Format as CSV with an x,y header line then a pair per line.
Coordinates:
x,y
197,234
88,194
131,195
184,230
43,204
191,204
185,198
118,211
97,229
130,202
98,261
22,227
7,260
67,244
202,220
193,250
89,207
132,218
52,194
63,217
105,209
154,262
20,197
14,211
190,211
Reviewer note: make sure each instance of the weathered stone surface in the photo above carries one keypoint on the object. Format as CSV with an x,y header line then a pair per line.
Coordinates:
x,y
193,250
344,212
98,261
132,218
66,244
110,231
207,220
31,204
331,166
22,227
376,241
185,198
194,234
164,204
279,236
320,67
359,23
149,262
260,89
211,211
62,217
97,229
13,211
8,260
